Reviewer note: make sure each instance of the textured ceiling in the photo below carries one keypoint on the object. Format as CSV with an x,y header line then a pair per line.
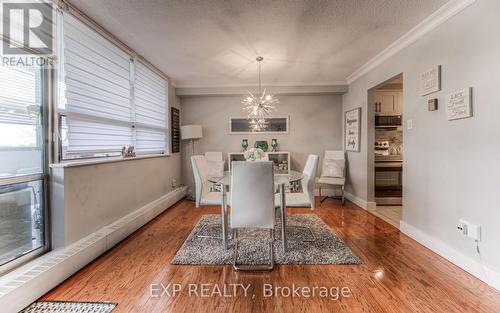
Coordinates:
x,y
215,42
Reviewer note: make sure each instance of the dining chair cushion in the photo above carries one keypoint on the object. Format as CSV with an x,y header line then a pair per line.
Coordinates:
x,y
333,168
331,180
215,169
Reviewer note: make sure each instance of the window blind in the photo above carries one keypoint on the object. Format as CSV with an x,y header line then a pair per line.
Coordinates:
x,y
97,91
107,100
19,95
150,104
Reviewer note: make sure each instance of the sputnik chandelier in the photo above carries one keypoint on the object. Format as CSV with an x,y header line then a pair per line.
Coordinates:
x,y
260,106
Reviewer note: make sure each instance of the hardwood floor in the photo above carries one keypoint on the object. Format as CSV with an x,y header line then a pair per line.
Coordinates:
x,y
397,274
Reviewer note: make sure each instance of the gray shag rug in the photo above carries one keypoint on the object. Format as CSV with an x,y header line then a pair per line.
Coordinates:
x,y
69,307
253,244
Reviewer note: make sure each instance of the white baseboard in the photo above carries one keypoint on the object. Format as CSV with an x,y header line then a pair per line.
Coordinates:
x,y
474,267
362,203
366,205
24,285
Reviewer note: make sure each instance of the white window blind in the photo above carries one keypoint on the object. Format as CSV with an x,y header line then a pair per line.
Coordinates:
x,y
97,91
20,110
109,101
19,95
150,103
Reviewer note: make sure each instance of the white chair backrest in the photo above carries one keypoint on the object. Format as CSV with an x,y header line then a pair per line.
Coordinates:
x,y
252,195
213,156
335,154
308,182
200,169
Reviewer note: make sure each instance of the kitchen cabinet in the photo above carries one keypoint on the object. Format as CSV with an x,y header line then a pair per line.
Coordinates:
x,y
389,102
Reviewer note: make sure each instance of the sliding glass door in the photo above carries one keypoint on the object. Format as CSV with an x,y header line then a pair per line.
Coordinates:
x,y
22,164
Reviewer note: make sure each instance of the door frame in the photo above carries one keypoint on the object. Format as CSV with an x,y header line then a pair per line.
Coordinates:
x,y
370,157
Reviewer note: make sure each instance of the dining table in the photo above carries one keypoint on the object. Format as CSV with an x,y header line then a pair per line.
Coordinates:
x,y
281,181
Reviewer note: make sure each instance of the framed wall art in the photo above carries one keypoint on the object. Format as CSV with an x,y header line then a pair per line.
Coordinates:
x,y
175,121
275,125
430,81
352,130
459,104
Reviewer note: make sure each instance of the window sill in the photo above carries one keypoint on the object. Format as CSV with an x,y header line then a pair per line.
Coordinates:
x,y
76,163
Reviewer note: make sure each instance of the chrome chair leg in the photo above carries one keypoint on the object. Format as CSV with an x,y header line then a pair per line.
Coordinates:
x,y
322,199
312,236
258,268
343,198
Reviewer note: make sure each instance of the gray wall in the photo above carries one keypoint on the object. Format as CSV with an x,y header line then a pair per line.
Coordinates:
x,y
87,198
315,125
451,168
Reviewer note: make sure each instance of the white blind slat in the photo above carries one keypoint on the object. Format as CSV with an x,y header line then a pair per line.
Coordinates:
x,y
94,136
149,140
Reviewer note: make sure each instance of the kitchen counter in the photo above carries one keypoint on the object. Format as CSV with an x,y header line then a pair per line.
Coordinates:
x,y
389,164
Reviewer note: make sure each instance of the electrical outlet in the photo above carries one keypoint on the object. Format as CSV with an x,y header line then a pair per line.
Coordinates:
x,y
409,123
462,228
469,230
174,183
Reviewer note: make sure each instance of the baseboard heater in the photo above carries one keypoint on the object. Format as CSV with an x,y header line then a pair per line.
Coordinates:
x,y
24,285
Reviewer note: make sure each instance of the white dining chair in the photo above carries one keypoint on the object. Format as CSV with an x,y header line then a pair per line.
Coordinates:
x,y
304,199
215,167
252,205
206,196
333,172
202,186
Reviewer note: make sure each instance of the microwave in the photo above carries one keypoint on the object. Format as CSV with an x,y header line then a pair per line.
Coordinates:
x,y
388,120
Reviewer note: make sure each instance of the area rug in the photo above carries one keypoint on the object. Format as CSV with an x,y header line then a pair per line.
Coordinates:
x,y
253,246
69,307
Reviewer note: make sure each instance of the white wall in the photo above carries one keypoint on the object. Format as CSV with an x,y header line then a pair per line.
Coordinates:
x,y
451,168
315,125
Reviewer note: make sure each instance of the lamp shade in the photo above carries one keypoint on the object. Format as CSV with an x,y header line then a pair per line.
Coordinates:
x,y
191,132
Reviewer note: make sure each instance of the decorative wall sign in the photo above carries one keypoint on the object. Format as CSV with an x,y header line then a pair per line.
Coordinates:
x,y
352,130
459,104
175,118
430,81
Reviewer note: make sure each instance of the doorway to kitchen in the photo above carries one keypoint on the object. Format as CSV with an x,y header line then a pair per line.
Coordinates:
x,y
387,103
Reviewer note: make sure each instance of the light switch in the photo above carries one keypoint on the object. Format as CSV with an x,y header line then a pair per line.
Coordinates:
x,y
409,124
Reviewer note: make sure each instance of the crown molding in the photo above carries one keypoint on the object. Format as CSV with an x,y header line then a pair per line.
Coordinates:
x,y
267,85
437,18
276,89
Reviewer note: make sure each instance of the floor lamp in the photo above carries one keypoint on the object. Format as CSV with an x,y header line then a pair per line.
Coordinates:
x,y
191,132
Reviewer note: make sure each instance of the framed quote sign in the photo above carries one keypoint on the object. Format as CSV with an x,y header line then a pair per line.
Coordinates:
x,y
459,104
352,130
430,81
